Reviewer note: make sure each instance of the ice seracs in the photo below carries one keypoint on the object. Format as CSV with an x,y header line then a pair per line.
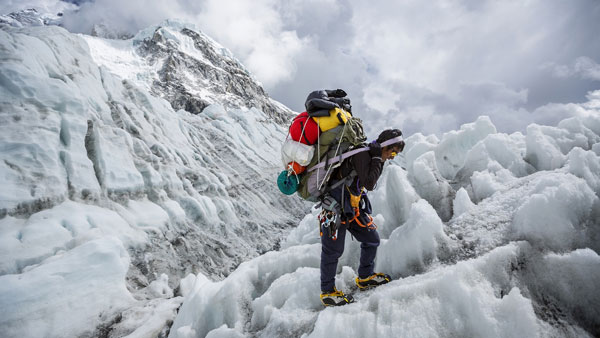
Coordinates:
x,y
101,174
509,261
135,180
462,203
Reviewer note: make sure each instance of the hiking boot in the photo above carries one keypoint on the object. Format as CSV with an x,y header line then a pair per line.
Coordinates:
x,y
336,298
373,280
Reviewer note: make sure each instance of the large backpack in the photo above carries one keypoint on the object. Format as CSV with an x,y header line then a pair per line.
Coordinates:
x,y
337,131
332,144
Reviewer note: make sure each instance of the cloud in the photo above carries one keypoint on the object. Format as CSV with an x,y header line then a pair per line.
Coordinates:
x,y
420,66
588,68
122,16
453,60
254,31
43,6
432,112
593,100
583,67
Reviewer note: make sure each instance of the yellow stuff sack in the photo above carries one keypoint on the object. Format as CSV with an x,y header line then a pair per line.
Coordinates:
x,y
355,199
336,117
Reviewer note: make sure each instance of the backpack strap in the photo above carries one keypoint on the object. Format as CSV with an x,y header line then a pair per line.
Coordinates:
x,y
346,180
338,158
303,126
350,153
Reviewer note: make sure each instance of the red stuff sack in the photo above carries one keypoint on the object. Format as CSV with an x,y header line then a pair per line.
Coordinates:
x,y
304,129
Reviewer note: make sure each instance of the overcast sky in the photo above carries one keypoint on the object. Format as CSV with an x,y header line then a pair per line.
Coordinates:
x,y
422,66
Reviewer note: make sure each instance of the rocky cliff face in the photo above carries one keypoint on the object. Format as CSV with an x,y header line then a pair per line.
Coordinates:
x,y
194,81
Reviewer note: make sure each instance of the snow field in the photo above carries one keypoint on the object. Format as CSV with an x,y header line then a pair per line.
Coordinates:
x,y
110,186
486,183
38,156
393,182
64,227
307,232
67,293
496,152
586,165
413,245
461,300
477,297
104,133
555,213
450,151
430,184
462,277
153,312
570,279
462,203
229,302
484,162
71,252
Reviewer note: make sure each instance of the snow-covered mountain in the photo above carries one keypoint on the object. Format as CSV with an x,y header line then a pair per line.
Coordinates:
x,y
108,188
30,17
177,62
138,200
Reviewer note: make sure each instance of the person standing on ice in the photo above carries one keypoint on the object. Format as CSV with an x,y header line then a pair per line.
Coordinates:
x,y
362,171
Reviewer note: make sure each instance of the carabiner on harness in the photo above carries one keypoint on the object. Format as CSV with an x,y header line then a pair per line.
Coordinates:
x,y
328,223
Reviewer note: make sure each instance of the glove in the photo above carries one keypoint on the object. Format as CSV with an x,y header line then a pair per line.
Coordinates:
x,y
348,108
346,105
336,93
375,150
341,101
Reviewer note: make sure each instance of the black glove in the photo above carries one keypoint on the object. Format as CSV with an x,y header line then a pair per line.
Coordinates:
x,y
375,150
341,101
336,93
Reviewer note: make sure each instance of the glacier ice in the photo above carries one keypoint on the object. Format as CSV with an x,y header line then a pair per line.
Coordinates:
x,y
509,262
462,203
167,222
90,155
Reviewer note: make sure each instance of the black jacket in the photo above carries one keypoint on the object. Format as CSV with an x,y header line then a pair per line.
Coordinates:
x,y
367,170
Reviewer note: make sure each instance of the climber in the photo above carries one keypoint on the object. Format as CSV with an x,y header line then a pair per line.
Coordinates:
x,y
361,171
